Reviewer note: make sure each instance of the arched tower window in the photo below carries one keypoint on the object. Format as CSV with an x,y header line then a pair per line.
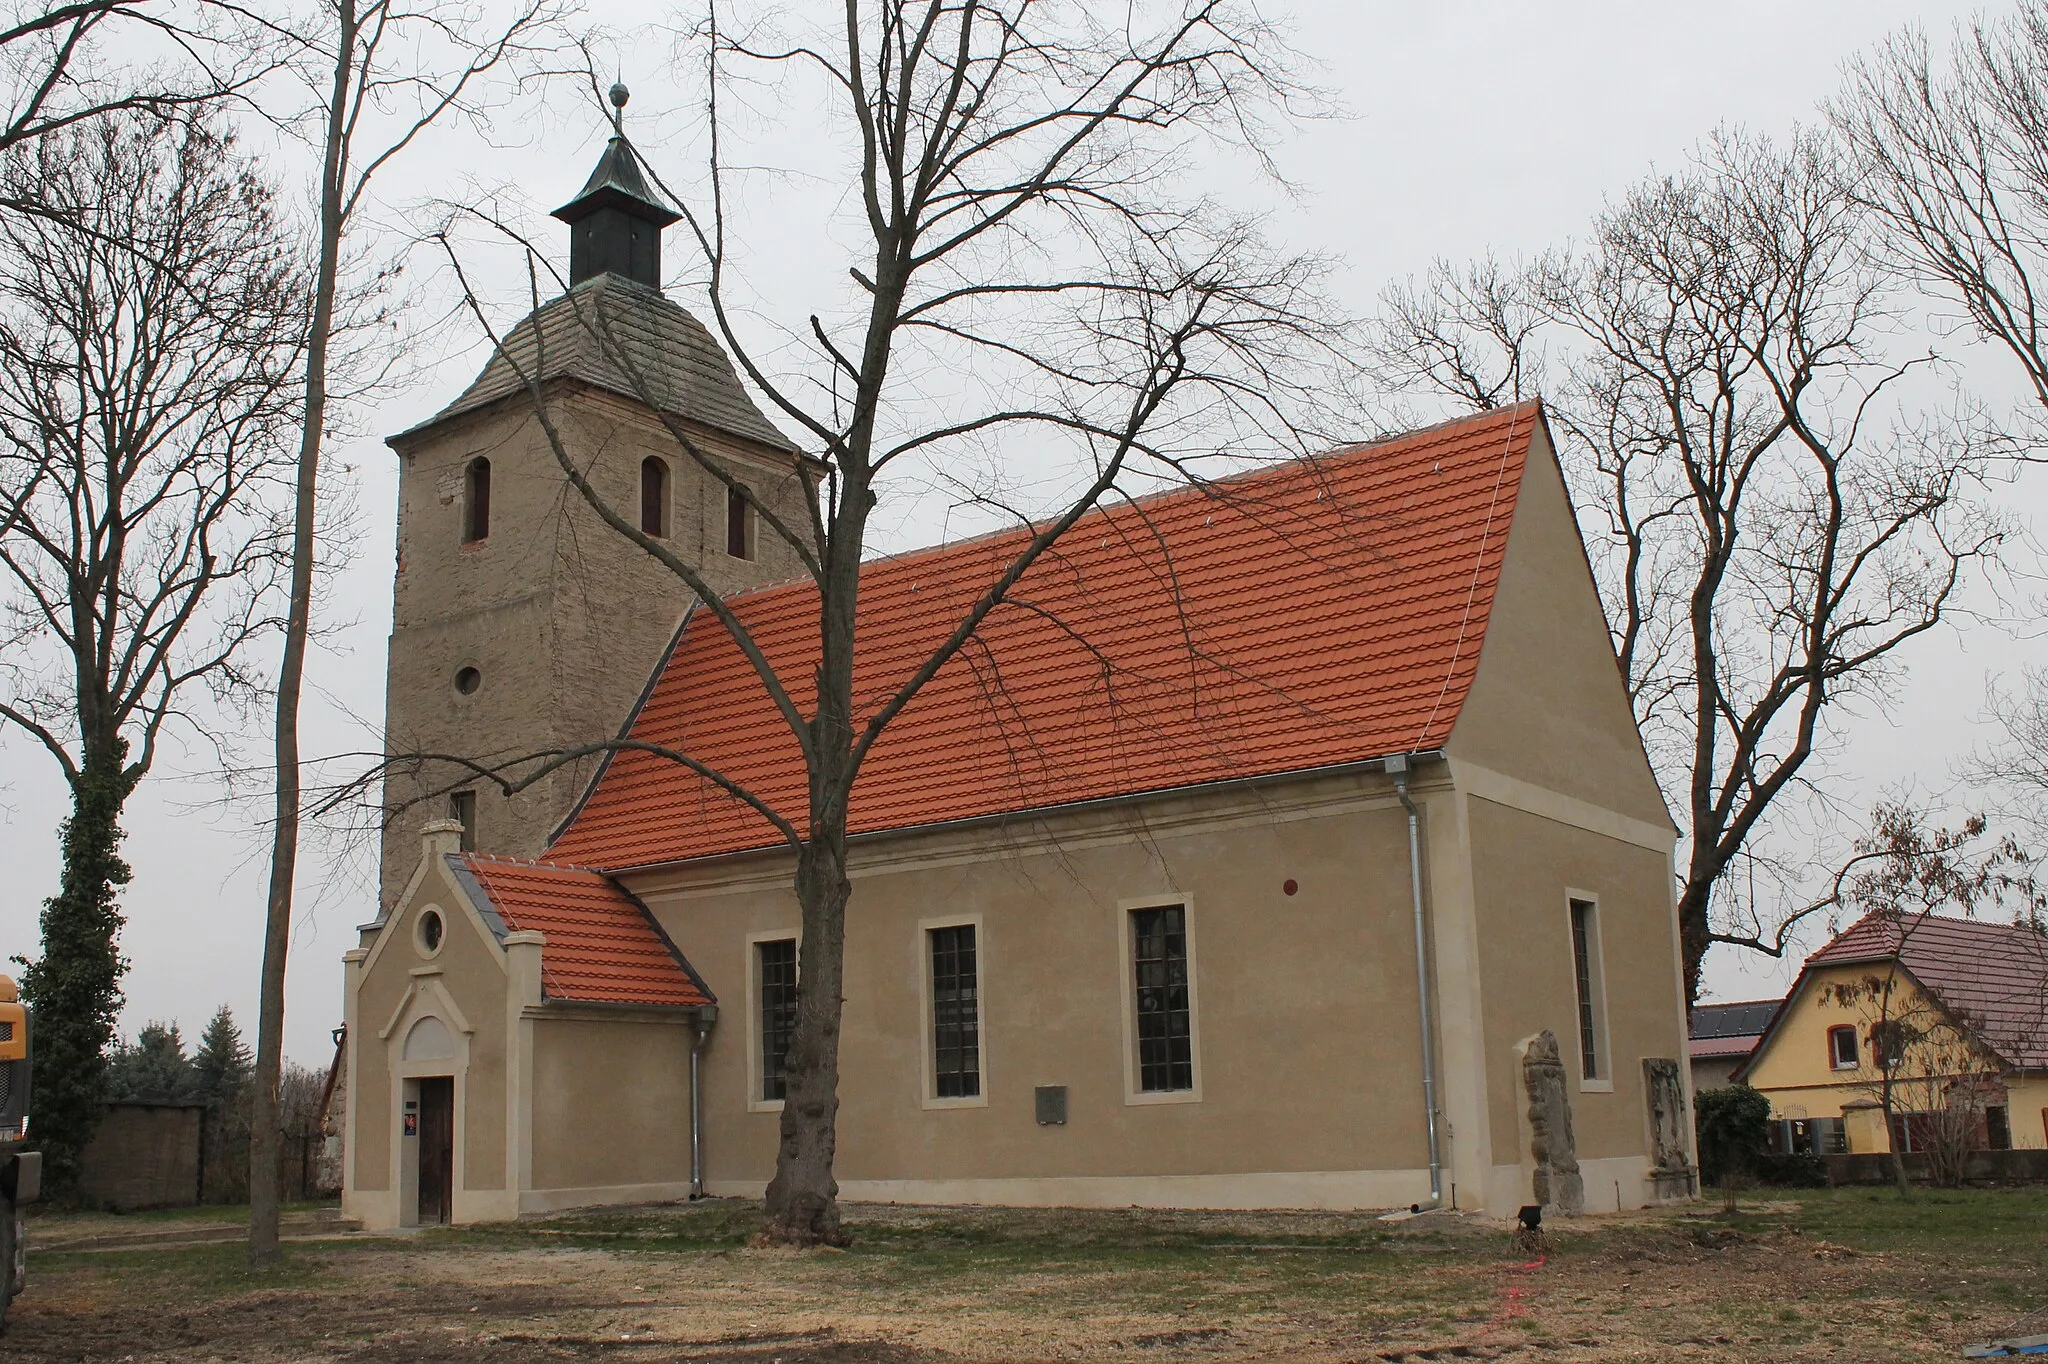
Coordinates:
x,y
653,496
739,524
476,500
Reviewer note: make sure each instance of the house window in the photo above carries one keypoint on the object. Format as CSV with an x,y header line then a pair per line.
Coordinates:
x,y
653,496
1842,1048
739,524
775,967
1591,989
1997,1128
1159,961
956,1013
476,500
462,809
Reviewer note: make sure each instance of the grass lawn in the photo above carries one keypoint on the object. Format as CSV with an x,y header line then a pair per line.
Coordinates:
x,y
1848,1274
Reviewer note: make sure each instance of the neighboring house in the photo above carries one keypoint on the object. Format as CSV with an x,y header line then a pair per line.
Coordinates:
x,y
1985,985
1134,917
1719,1038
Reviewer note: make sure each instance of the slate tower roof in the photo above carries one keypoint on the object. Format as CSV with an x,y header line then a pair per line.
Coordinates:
x,y
614,329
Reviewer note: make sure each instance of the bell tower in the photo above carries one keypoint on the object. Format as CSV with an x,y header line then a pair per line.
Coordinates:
x,y
522,624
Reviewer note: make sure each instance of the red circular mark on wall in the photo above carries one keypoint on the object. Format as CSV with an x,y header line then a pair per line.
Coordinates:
x,y
1289,887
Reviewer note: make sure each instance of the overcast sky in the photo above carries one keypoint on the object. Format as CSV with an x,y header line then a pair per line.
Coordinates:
x,y
1473,127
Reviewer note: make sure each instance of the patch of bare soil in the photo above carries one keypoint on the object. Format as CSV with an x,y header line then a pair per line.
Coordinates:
x,y
946,1288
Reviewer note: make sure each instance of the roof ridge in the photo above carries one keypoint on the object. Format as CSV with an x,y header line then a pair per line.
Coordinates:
x,y
1161,497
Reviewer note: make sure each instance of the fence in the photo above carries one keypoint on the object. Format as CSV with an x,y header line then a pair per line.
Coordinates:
x,y
173,1155
1982,1167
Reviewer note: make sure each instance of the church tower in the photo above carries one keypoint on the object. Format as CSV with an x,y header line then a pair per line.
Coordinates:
x,y
522,623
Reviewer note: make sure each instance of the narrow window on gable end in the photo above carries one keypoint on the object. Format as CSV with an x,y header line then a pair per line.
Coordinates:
x,y
654,496
1591,989
1842,1048
476,500
739,524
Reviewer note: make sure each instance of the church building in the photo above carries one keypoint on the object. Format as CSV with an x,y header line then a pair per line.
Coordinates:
x,y
1286,842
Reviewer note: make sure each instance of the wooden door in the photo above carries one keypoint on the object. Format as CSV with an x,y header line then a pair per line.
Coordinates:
x,y
437,1149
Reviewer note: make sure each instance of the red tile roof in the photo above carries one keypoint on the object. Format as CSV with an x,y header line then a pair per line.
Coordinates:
x,y
1315,613
602,944
1995,975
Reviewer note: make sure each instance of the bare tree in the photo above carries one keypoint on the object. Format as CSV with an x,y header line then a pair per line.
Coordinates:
x,y
64,63
151,327
402,67
1768,524
1953,159
1027,274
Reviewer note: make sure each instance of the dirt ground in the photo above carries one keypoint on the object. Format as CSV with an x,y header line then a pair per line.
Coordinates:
x,y
1834,1275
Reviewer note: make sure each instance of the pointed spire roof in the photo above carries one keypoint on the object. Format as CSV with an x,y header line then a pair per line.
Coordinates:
x,y
618,182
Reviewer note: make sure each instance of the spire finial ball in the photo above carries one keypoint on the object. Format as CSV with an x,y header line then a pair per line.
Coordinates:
x,y
620,94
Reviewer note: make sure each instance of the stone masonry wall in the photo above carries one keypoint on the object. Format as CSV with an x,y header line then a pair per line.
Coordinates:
x,y
564,617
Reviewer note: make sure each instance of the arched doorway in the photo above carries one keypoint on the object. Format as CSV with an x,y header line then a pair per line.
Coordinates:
x,y
430,1123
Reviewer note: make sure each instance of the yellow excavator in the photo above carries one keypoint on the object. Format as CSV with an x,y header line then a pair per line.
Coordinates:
x,y
21,1172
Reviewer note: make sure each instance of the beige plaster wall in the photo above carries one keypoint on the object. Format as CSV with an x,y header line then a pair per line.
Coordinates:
x,y
397,976
611,1102
1305,1013
1548,705
563,616
1524,865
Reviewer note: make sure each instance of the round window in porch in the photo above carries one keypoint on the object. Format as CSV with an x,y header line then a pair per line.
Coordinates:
x,y
428,931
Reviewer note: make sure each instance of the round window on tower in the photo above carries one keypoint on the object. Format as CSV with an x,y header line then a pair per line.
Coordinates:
x,y
467,680
428,931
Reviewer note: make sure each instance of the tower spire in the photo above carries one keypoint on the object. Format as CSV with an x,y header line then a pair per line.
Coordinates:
x,y
615,221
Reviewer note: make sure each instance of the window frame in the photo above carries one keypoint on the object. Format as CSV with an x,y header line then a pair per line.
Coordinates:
x,y
739,499
1126,957
756,1066
662,504
476,511
1602,1080
928,1013
1835,1061
462,809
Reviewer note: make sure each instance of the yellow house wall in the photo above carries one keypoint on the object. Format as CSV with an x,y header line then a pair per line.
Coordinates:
x,y
1307,1051
1794,1067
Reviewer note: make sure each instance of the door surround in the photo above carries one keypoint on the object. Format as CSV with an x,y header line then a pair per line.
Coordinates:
x,y
427,1000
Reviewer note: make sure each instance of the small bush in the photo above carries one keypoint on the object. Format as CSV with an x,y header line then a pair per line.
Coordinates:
x,y
1732,1125
1802,1170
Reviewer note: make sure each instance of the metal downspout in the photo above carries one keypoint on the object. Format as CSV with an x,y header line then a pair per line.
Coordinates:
x,y
706,1017
1397,768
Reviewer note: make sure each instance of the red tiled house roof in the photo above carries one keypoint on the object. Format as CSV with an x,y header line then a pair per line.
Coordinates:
x,y
1994,975
602,945
1306,616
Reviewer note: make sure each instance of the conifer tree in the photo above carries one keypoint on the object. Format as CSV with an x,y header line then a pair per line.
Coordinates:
x,y
222,1062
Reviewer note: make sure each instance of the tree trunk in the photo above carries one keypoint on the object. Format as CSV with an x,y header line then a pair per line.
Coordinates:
x,y
75,986
1891,1139
803,1198
1693,929
264,1133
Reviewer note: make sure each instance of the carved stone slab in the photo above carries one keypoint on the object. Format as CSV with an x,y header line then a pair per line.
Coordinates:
x,y
1558,1183
1671,1173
